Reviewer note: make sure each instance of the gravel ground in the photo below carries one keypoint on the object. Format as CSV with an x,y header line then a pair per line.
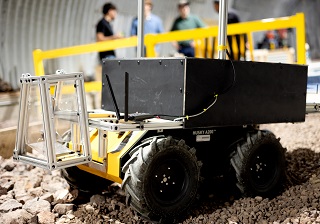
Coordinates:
x,y
298,203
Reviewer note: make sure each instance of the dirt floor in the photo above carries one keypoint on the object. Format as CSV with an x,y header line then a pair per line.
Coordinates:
x,y
299,135
298,203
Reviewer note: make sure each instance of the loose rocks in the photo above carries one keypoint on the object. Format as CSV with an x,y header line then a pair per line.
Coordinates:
x,y
33,195
10,205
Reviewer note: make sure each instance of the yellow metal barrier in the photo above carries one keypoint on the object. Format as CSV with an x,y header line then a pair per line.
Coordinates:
x,y
297,21
39,55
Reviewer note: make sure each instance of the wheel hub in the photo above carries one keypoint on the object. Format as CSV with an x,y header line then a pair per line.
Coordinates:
x,y
263,167
168,181
260,169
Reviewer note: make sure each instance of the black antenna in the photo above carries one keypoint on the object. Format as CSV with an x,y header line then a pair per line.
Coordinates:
x,y
116,108
126,96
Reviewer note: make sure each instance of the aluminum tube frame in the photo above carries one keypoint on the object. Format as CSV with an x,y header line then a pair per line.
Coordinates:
x,y
103,144
53,160
149,125
140,50
312,108
20,139
222,33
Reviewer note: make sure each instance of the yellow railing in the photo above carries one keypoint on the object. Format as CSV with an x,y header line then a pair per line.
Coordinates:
x,y
297,21
39,55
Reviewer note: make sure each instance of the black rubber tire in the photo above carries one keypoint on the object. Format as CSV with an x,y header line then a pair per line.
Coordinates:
x,y
83,181
161,179
259,164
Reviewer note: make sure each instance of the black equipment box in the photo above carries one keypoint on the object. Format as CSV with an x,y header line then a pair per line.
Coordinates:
x,y
248,92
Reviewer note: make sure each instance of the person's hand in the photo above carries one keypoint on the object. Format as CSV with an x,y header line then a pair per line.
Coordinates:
x,y
121,34
117,36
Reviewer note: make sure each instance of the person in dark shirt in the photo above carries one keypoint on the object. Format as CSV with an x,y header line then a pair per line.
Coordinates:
x,y
232,18
104,31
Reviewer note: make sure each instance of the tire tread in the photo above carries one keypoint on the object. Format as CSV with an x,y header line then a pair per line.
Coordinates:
x,y
243,153
135,172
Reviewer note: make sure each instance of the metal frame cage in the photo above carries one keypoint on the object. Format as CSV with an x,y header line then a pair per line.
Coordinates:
x,y
55,105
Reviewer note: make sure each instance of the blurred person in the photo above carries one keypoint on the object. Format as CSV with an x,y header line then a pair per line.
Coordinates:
x,y
233,17
282,37
104,31
269,41
274,39
152,23
186,21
